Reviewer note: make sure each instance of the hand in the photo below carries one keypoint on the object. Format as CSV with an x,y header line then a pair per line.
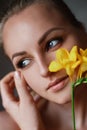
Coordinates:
x,y
23,109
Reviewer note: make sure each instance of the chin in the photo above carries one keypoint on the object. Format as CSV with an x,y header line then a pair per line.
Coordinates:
x,y
65,99
63,102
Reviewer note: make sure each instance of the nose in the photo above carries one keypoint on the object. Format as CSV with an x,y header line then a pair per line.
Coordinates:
x,y
43,67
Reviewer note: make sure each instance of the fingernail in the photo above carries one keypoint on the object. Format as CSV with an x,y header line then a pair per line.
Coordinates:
x,y
17,75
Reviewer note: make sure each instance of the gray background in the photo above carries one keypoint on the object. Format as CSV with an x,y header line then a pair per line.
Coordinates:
x,y
78,7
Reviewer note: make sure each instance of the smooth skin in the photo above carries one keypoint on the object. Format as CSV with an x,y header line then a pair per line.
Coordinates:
x,y
6,122
31,38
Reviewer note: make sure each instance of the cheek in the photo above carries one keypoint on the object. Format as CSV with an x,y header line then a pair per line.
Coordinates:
x,y
32,78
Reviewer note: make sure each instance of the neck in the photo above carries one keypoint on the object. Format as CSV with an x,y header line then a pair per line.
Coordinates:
x,y
81,105
59,113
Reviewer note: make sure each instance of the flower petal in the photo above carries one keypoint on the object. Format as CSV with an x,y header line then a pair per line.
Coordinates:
x,y
75,64
84,67
61,55
55,66
69,70
81,51
73,53
85,53
84,59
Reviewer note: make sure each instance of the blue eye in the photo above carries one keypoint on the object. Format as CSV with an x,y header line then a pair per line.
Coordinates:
x,y
53,43
23,63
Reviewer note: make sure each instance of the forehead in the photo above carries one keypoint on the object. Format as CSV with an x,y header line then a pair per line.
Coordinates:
x,y
35,13
31,22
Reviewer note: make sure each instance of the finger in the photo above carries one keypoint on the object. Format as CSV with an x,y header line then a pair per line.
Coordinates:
x,y
40,102
35,96
7,84
7,90
21,86
8,80
8,77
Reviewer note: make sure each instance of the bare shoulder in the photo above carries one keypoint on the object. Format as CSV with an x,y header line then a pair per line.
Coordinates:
x,y
6,122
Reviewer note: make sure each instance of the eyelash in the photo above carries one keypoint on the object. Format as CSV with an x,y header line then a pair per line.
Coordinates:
x,y
58,40
20,63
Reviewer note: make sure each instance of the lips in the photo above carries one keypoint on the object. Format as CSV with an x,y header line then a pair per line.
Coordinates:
x,y
57,84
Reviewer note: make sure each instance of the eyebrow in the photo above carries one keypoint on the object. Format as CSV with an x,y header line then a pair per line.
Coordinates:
x,y
18,54
40,41
48,32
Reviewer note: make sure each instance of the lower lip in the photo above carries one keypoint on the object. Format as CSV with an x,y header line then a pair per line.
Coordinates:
x,y
59,86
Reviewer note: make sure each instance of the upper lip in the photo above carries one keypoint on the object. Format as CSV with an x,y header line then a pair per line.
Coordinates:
x,y
53,83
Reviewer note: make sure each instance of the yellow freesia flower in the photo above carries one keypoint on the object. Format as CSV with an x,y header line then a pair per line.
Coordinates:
x,y
83,62
65,60
70,61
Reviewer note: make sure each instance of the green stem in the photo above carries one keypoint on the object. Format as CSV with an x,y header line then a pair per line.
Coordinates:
x,y
73,110
76,84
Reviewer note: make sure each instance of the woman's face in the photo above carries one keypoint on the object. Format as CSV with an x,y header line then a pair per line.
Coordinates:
x,y
31,38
